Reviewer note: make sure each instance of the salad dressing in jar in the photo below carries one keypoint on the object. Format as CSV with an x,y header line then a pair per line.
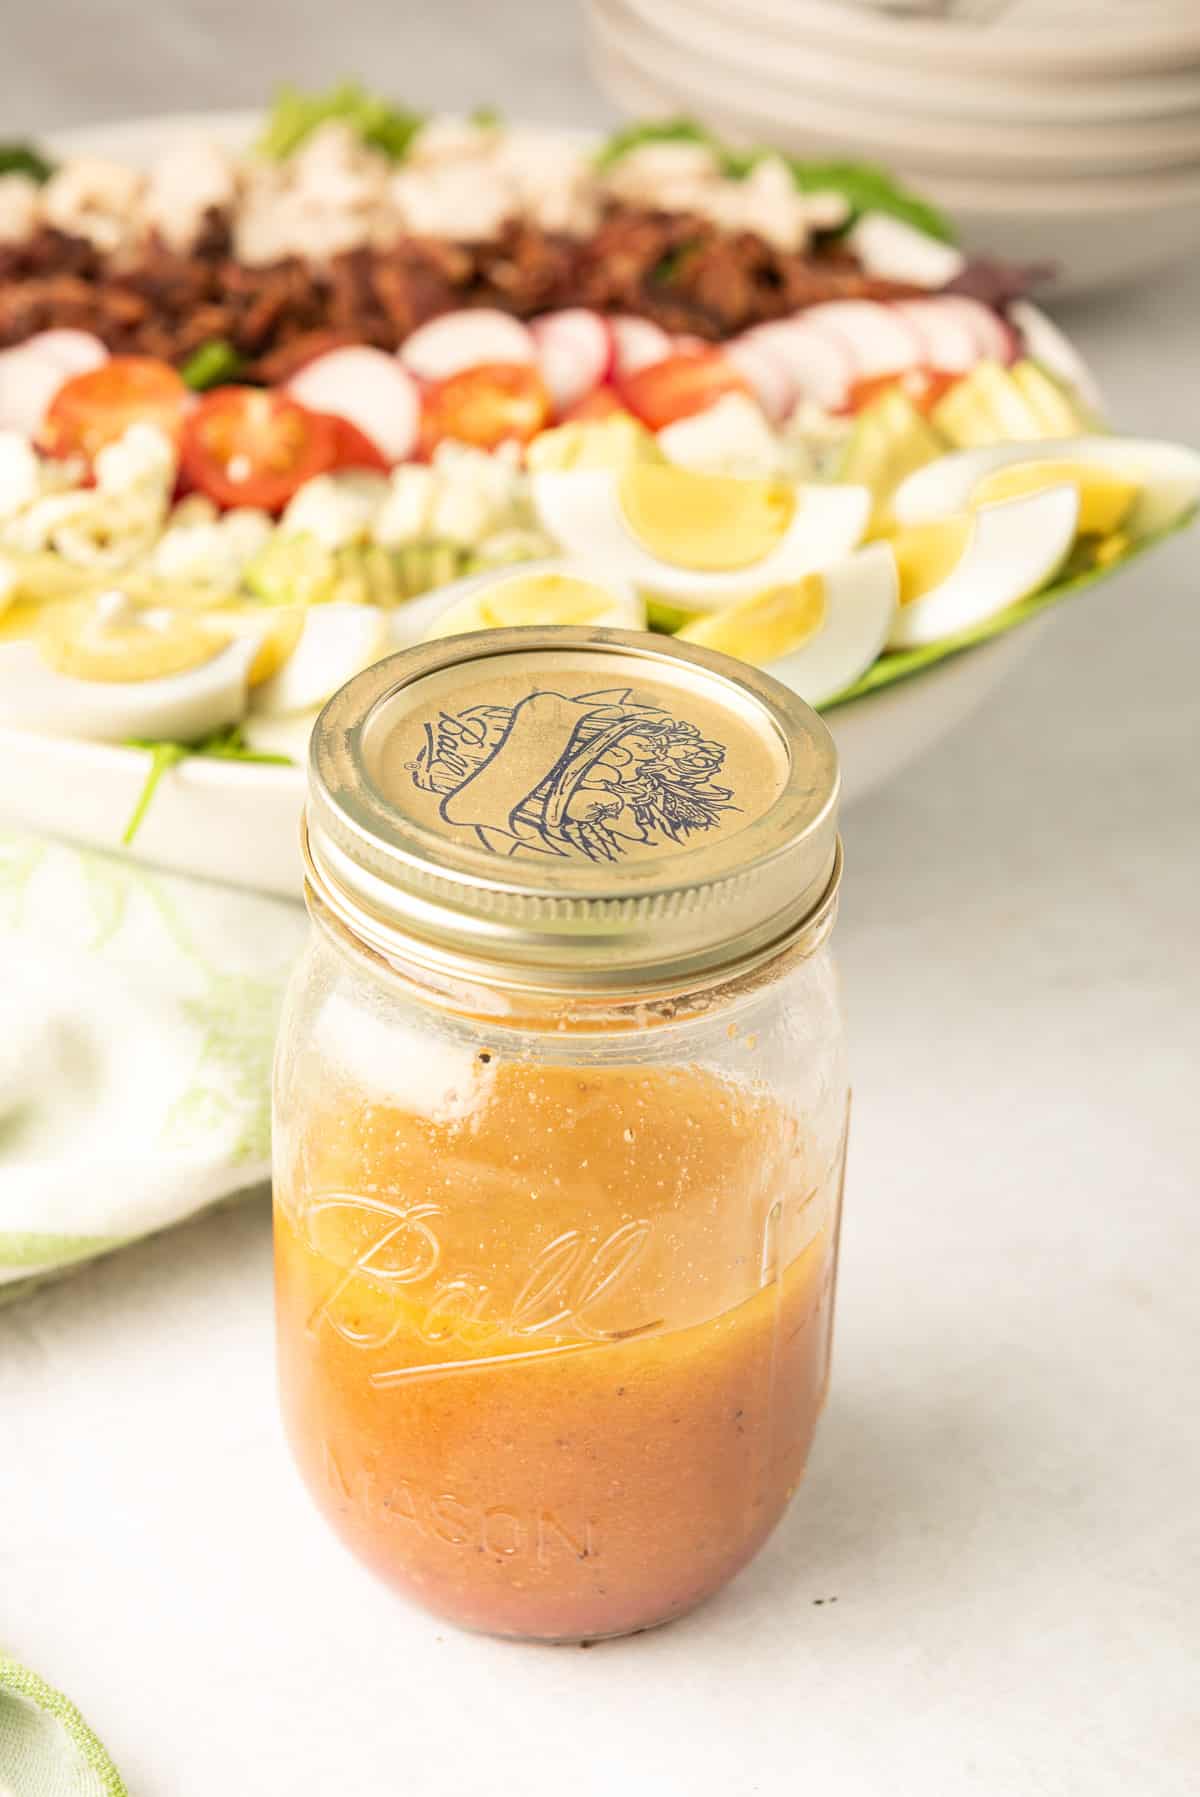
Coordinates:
x,y
560,1124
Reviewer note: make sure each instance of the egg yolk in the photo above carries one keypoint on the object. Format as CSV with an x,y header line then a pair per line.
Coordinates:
x,y
711,523
87,642
927,553
528,599
277,627
765,627
1105,499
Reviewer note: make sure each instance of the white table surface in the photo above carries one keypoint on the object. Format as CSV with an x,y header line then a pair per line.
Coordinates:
x,y
1003,1498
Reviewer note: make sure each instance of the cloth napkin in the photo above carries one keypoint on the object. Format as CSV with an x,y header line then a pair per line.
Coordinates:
x,y
46,1747
137,1022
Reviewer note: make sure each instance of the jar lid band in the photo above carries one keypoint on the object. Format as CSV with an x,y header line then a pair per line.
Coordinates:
x,y
571,808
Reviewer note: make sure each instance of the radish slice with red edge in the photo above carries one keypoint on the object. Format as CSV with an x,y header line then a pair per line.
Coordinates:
x,y
465,339
636,344
574,353
370,390
880,340
769,376
993,337
819,364
74,352
950,340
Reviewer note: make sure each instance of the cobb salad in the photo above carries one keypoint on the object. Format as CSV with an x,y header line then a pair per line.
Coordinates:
x,y
265,417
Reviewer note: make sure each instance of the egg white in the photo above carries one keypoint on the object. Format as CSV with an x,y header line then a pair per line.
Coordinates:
x,y
411,623
337,642
175,707
1014,548
1168,472
861,596
582,511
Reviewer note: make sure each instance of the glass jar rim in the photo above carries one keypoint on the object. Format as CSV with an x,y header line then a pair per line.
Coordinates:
x,y
486,990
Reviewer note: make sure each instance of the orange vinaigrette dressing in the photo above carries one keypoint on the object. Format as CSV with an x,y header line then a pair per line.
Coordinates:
x,y
553,1365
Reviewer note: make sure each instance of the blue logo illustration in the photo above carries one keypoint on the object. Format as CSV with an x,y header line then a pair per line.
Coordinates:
x,y
589,776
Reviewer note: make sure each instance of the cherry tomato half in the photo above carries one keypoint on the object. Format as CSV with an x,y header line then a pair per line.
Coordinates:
x,y
96,408
496,403
354,448
601,402
680,385
924,386
250,446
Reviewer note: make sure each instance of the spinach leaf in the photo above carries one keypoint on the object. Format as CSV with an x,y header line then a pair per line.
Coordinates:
x,y
223,745
23,159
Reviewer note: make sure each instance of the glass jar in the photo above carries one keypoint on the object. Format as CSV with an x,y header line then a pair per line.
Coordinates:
x,y
561,1106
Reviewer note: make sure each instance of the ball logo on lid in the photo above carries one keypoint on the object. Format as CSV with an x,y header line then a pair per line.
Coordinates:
x,y
586,776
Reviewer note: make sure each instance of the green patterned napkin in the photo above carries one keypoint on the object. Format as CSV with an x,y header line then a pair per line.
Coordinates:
x,y
46,1747
138,1023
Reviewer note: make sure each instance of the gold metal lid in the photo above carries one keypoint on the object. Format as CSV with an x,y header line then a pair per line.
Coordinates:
x,y
571,810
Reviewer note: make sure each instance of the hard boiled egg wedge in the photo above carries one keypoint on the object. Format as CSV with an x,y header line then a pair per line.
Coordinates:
x,y
337,641
817,634
1144,484
960,570
108,669
555,590
703,539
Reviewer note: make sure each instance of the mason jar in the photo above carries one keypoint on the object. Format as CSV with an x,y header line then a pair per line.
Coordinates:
x,y
560,1124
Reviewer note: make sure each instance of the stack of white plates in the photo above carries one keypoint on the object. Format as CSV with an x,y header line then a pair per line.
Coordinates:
x,y
1058,130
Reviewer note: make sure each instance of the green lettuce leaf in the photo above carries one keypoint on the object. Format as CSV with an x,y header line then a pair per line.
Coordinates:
x,y
653,131
23,159
294,116
863,185
224,745
866,187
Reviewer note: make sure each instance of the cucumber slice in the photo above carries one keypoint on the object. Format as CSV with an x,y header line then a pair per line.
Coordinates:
x,y
665,616
292,570
987,406
1058,416
445,563
420,567
890,440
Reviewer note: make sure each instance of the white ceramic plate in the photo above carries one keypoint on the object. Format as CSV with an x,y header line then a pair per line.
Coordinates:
x,y
727,67
240,822
920,89
1143,45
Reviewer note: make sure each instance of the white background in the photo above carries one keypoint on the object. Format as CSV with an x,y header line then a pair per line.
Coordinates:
x,y
1005,1491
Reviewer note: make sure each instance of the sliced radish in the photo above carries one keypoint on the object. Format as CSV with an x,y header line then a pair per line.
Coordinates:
x,y
950,339
371,390
636,344
768,373
465,339
994,338
880,340
28,382
74,352
574,353
820,366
